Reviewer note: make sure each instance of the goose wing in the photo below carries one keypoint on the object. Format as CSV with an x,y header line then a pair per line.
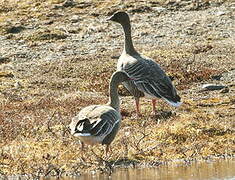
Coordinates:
x,y
96,120
151,79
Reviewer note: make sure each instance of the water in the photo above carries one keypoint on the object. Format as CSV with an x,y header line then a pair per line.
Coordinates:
x,y
216,170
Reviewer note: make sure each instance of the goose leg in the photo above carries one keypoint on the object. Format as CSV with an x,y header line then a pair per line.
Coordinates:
x,y
154,106
137,105
106,150
82,147
82,153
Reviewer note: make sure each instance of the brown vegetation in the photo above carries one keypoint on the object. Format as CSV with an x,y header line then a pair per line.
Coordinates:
x,y
38,97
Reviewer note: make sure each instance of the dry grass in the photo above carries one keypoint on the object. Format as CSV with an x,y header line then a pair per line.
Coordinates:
x,y
38,100
35,138
34,119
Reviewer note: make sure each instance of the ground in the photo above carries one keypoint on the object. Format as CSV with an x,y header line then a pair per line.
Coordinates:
x,y
57,57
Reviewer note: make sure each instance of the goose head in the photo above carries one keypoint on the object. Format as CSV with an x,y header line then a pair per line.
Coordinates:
x,y
120,17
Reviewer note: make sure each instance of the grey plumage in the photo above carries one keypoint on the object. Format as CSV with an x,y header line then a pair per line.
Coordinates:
x,y
100,123
95,122
149,79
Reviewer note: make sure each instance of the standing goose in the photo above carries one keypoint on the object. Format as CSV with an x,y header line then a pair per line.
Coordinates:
x,y
149,79
100,123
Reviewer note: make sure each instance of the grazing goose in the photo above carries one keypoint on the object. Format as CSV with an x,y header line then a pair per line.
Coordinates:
x,y
149,79
100,123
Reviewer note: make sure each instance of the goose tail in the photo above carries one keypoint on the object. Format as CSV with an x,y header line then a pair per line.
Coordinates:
x,y
82,134
174,102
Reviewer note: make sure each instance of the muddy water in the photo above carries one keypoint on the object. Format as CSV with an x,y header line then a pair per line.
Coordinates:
x,y
219,169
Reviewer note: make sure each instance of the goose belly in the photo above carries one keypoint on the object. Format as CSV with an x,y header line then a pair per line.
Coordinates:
x,y
148,96
91,140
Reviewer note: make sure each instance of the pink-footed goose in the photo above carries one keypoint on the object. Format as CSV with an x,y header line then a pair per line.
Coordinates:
x,y
149,79
99,124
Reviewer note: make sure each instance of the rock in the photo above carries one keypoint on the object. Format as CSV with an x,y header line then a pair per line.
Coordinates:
x,y
4,60
212,87
220,13
75,19
95,14
15,29
216,77
48,22
68,3
158,9
18,85
228,76
65,4
115,57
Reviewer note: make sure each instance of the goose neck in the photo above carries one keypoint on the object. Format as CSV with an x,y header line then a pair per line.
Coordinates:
x,y
114,101
128,44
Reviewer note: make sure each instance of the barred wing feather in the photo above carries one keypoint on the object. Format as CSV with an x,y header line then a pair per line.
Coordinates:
x,y
98,122
152,80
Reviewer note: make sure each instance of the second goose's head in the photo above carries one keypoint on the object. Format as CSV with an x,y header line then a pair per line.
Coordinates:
x,y
120,17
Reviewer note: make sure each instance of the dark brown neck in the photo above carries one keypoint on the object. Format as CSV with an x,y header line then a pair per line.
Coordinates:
x,y
113,95
128,46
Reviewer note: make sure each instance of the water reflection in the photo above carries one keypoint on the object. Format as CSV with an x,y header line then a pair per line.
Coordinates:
x,y
220,169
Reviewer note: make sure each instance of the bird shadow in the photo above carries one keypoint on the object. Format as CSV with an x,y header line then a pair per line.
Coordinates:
x,y
108,166
163,115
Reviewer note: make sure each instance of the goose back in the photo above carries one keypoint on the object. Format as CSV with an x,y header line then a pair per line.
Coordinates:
x,y
95,123
149,78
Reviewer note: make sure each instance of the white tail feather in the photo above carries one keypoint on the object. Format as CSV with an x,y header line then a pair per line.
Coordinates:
x,y
175,104
82,134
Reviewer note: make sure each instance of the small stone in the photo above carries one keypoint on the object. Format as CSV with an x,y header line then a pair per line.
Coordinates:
x,y
114,57
48,22
15,29
75,19
212,87
4,60
220,13
216,77
158,9
18,85
68,3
